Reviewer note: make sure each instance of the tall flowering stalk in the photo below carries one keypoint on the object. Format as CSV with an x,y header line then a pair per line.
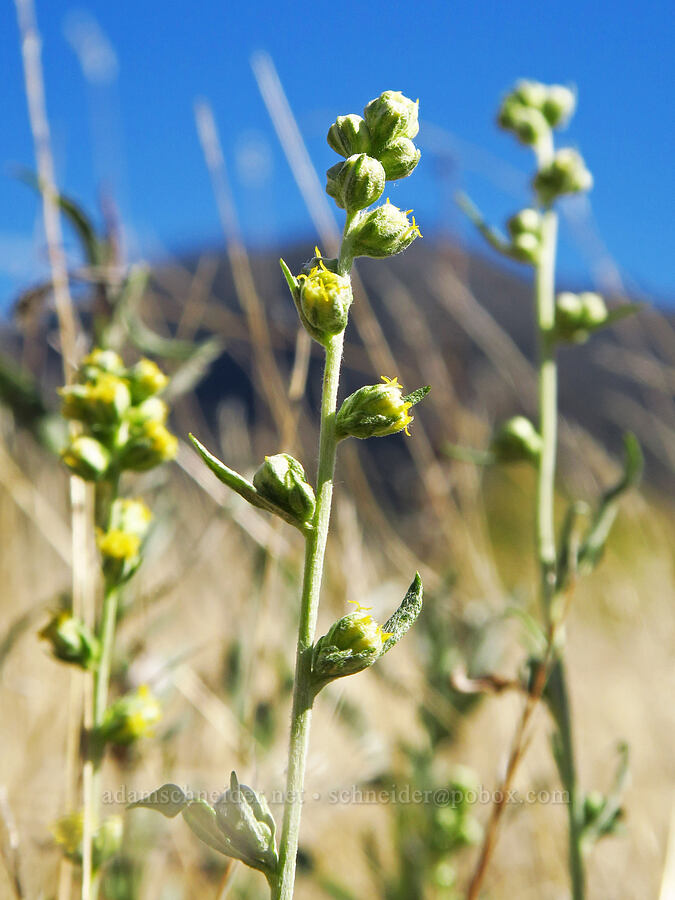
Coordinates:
x,y
376,148
119,426
531,112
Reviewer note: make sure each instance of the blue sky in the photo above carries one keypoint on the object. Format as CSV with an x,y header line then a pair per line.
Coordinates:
x,y
131,123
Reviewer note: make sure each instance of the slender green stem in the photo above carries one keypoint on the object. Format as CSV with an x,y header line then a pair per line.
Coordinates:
x,y
315,548
314,557
546,546
548,408
99,699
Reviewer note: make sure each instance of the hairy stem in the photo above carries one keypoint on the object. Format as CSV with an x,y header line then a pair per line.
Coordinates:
x,y
314,557
544,295
315,549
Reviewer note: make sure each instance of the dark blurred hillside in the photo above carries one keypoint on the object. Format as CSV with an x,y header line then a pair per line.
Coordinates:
x,y
438,307
435,315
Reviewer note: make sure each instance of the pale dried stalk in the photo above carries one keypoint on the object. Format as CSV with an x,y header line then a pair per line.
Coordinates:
x,y
82,579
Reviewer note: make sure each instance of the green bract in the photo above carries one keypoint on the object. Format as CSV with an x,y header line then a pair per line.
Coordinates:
x,y
382,232
281,480
356,183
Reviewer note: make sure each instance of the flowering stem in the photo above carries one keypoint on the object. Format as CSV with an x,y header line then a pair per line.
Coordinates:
x,y
544,295
546,547
99,700
303,696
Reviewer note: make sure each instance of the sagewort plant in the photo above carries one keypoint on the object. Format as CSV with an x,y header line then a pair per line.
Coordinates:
x,y
118,425
376,148
532,112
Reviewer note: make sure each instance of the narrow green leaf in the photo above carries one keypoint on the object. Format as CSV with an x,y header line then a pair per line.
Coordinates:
x,y
622,312
593,545
92,247
244,488
417,395
405,615
491,235
168,800
604,822
291,280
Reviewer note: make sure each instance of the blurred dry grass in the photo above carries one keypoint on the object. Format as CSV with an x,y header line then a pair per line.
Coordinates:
x,y
210,619
219,585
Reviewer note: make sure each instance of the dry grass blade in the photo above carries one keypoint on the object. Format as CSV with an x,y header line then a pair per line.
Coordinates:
x,y
266,370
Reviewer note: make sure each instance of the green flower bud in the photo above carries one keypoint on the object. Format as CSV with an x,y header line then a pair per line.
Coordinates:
x,y
146,379
151,410
355,183
375,410
527,123
246,821
353,643
130,516
87,457
530,93
325,299
148,446
349,135
107,839
281,480
399,157
120,554
71,641
389,116
566,174
444,874
594,804
595,309
382,232
559,105
100,402
100,361
131,717
527,221
517,440
526,248
577,315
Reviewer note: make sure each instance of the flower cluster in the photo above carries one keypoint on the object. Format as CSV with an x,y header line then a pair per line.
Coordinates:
x,y
531,109
378,148
123,419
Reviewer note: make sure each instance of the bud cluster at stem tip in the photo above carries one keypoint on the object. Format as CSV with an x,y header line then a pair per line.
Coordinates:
x,y
378,147
532,109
